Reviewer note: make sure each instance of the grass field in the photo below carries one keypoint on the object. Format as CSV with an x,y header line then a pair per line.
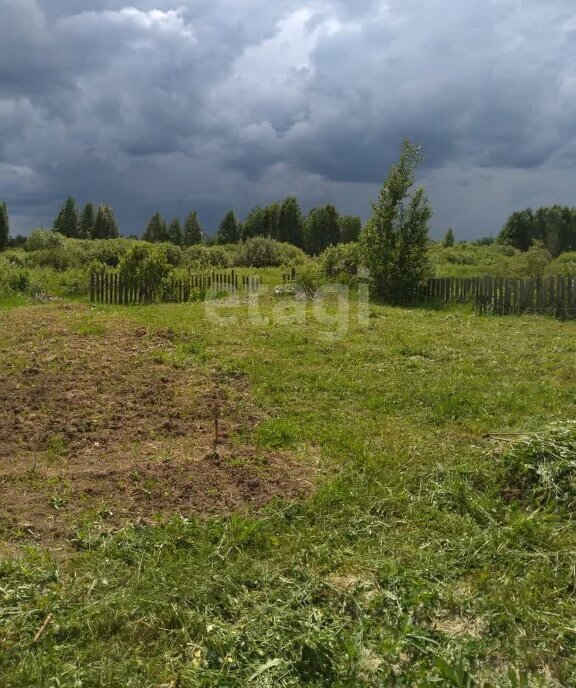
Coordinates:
x,y
347,524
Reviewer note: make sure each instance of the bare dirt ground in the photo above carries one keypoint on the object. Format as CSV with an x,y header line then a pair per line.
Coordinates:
x,y
97,425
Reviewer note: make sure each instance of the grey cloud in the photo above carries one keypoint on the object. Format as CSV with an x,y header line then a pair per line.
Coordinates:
x,y
227,103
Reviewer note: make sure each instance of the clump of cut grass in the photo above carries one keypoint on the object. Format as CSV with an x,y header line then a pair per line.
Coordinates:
x,y
542,466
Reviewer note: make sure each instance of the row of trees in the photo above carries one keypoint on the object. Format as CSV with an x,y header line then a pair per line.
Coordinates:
x,y
284,221
554,226
90,223
281,220
158,230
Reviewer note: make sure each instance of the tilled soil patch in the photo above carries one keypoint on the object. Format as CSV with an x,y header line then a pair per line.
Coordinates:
x,y
98,424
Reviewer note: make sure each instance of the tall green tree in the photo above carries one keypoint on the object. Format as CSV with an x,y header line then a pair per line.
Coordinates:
x,y
519,230
331,226
87,219
229,230
175,234
321,229
350,227
272,219
393,244
156,229
66,221
313,241
192,230
290,222
4,226
255,223
449,239
105,226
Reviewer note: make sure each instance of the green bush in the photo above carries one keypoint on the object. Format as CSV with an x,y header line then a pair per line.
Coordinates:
x,y
259,252
150,265
292,255
472,260
201,257
42,239
60,259
37,281
264,252
147,262
341,262
9,276
564,265
15,257
309,280
50,249
106,251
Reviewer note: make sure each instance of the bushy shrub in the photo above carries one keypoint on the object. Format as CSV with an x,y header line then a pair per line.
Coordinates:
x,y
309,280
15,257
341,262
173,254
292,255
74,282
44,281
10,278
264,252
147,262
34,281
564,265
106,251
472,260
44,240
537,259
50,249
259,252
60,258
201,257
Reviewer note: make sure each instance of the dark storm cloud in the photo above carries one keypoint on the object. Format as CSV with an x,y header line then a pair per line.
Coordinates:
x,y
226,103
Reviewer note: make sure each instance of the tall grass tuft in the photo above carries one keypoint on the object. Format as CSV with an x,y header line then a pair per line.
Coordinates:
x,y
543,465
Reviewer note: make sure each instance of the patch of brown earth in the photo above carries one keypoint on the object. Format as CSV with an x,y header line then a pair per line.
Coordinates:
x,y
100,422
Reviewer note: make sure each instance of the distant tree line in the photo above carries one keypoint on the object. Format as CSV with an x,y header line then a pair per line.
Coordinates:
x,y
554,226
158,230
90,223
283,221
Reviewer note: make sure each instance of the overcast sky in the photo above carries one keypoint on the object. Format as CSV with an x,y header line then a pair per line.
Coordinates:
x,y
172,105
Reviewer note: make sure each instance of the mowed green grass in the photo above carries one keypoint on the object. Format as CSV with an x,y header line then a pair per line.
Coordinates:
x,y
410,565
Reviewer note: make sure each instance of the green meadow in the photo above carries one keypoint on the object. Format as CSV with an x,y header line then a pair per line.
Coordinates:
x,y
419,553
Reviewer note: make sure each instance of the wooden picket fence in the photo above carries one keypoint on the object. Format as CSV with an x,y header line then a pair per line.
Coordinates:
x,y
108,286
554,295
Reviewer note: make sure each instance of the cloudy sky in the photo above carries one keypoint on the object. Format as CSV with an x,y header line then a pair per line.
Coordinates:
x,y
214,104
